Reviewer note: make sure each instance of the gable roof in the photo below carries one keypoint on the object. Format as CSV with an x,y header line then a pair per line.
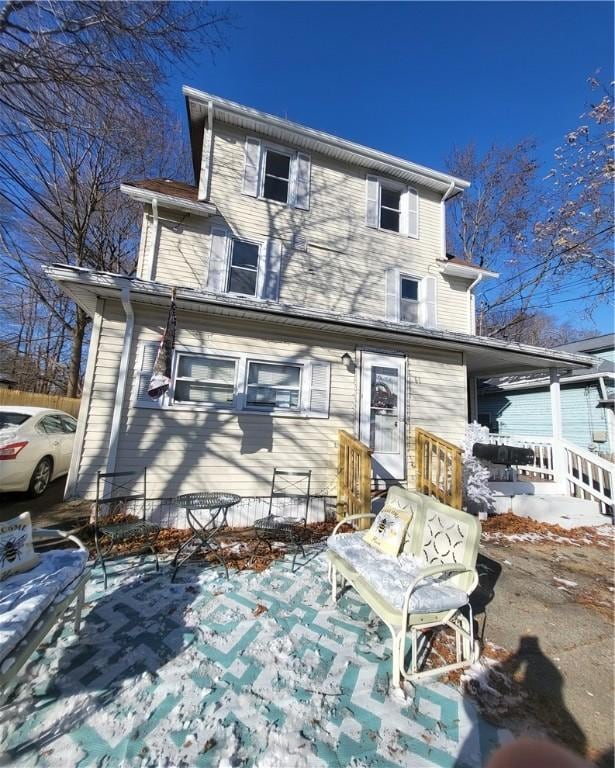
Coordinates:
x,y
200,103
169,193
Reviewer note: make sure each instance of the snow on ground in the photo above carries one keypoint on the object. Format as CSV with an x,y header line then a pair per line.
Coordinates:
x,y
260,670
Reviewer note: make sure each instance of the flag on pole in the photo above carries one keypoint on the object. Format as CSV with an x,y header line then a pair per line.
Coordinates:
x,y
161,375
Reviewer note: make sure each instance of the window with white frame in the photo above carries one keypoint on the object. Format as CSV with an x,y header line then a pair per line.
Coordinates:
x,y
276,176
273,385
203,379
409,300
390,208
243,268
276,173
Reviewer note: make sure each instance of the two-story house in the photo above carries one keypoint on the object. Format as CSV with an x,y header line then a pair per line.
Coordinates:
x,y
313,294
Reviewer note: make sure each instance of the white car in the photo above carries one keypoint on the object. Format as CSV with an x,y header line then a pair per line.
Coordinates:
x,y
36,445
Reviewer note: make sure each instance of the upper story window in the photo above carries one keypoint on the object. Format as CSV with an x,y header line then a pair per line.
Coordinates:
x,y
392,206
276,178
243,268
409,300
276,173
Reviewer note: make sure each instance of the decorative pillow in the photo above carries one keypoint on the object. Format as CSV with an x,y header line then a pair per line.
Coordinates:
x,y
16,550
388,530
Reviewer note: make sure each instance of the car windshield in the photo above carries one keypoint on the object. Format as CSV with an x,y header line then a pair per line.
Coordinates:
x,y
12,419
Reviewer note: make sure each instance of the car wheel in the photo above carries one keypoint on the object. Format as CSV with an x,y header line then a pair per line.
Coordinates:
x,y
40,477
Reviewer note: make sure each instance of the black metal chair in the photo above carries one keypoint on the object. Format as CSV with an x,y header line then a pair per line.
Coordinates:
x,y
290,485
116,491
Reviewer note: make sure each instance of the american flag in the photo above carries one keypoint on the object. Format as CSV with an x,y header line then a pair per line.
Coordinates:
x,y
161,375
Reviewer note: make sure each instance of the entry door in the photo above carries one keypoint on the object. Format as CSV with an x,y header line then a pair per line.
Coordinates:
x,y
382,413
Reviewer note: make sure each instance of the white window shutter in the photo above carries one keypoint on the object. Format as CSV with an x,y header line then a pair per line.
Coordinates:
x,y
218,260
410,213
251,171
319,388
302,181
392,285
428,302
372,196
269,264
144,367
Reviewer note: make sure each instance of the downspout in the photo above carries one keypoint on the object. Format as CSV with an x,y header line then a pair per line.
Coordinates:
x,y
152,252
445,197
120,392
472,308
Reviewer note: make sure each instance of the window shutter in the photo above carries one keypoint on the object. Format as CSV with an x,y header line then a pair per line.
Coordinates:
x,y
391,297
218,267
269,263
319,382
410,212
302,181
372,191
251,171
428,286
144,367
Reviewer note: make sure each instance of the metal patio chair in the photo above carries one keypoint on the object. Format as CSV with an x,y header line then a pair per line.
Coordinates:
x,y
292,485
116,490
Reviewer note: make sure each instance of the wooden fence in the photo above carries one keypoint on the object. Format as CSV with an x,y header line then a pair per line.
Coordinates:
x,y
354,478
16,397
438,468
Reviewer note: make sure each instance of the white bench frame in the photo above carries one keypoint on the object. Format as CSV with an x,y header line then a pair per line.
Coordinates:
x,y
51,617
402,622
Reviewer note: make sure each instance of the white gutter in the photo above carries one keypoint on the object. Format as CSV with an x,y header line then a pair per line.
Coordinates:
x,y
120,392
168,201
448,192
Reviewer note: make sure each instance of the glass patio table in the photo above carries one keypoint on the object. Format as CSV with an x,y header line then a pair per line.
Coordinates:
x,y
206,514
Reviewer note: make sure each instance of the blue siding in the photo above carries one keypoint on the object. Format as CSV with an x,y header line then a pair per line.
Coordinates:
x,y
528,412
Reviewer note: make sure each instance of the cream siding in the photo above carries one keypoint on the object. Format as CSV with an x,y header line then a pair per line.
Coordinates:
x,y
344,266
189,450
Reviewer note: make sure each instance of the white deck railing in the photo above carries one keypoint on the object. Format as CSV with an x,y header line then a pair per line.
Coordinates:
x,y
583,474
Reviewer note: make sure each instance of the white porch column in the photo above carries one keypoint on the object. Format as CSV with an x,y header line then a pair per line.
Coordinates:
x,y
473,398
559,454
556,405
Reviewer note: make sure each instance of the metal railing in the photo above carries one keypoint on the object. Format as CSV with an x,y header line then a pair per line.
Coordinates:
x,y
438,468
354,478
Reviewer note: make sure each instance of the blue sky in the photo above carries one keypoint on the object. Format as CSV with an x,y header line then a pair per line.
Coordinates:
x,y
414,79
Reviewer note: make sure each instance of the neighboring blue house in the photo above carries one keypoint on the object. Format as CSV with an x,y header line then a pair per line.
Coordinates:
x,y
520,405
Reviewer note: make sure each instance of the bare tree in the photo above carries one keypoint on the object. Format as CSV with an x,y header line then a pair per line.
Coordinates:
x,y
96,50
536,328
62,187
542,232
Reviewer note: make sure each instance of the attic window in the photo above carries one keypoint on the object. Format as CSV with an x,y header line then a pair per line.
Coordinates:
x,y
277,176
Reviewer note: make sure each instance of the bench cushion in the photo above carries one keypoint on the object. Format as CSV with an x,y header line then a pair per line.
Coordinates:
x,y
25,596
391,576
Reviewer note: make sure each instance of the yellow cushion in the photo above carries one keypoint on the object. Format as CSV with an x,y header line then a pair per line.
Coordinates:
x,y
16,550
388,530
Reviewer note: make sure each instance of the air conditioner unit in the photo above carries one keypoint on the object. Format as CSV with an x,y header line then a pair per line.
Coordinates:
x,y
599,436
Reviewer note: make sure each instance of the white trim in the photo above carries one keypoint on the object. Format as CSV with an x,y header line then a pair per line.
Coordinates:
x,y
206,161
120,392
325,142
466,270
72,480
168,201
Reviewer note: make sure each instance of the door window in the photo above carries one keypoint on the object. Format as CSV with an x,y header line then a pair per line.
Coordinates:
x,y
51,425
384,410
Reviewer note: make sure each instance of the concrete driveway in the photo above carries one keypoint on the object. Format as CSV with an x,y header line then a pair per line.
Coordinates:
x,y
48,510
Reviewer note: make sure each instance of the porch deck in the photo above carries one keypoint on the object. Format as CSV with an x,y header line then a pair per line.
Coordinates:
x,y
258,670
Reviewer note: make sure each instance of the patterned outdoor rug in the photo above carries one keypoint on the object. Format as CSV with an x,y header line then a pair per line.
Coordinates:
x,y
261,670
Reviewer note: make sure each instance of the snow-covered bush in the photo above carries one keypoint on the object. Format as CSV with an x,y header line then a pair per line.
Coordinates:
x,y
477,495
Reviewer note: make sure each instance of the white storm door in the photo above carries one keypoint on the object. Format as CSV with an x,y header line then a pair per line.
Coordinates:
x,y
382,423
